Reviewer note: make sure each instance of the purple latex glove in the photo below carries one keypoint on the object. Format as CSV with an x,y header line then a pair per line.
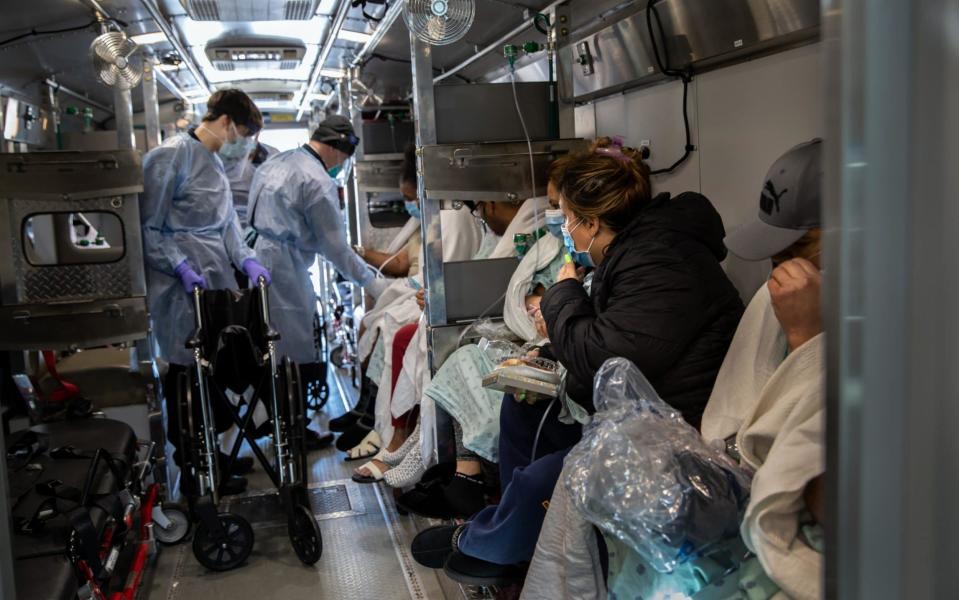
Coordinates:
x,y
255,270
189,278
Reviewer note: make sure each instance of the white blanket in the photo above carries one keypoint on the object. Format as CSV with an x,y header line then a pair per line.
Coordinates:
x,y
461,241
409,228
774,404
757,350
529,218
514,307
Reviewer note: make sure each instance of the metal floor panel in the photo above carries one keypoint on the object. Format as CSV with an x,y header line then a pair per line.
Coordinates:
x,y
365,548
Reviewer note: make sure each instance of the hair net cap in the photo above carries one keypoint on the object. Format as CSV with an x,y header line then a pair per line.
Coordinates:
x,y
337,131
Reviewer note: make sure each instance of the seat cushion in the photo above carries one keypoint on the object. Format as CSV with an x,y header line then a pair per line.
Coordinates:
x,y
103,376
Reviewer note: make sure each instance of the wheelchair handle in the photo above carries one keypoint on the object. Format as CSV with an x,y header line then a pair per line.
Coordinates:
x,y
197,312
265,305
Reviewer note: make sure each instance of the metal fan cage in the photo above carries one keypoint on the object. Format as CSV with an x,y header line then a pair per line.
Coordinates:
x,y
115,60
439,22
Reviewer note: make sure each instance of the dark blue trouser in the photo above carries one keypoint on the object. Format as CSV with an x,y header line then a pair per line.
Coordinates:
x,y
507,533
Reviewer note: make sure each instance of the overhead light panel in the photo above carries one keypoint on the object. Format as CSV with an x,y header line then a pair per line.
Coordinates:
x,y
145,39
235,58
355,36
333,73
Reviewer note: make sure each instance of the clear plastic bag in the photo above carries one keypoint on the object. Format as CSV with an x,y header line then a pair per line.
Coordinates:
x,y
486,329
499,350
494,330
644,475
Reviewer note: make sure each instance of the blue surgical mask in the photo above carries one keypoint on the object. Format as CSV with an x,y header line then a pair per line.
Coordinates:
x,y
554,222
240,147
412,208
334,171
582,258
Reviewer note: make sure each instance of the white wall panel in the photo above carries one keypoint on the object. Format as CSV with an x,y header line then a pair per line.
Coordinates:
x,y
655,114
750,114
742,117
585,117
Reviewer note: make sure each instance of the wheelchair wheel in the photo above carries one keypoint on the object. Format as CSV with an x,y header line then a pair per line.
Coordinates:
x,y
178,528
228,553
317,394
305,536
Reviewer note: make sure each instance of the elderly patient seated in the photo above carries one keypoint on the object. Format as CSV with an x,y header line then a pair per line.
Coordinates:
x,y
766,411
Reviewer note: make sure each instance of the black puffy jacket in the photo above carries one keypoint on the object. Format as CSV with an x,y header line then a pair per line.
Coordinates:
x,y
660,299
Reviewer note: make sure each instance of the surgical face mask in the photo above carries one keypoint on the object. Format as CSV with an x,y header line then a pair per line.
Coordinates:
x,y
581,258
412,208
240,147
334,171
554,222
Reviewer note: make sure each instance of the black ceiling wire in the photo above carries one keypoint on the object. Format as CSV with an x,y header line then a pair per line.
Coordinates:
x,y
369,16
36,32
406,61
686,76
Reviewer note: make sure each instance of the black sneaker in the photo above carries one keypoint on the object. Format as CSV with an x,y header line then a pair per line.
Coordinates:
x,y
426,500
465,495
442,472
317,441
432,546
345,421
474,571
354,435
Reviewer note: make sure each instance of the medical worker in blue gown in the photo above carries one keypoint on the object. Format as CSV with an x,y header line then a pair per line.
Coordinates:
x,y
191,234
295,212
240,172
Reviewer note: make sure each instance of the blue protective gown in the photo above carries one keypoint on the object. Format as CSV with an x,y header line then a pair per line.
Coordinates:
x,y
240,172
294,209
186,211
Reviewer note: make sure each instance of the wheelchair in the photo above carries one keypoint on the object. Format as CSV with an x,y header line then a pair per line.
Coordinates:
x,y
234,348
316,387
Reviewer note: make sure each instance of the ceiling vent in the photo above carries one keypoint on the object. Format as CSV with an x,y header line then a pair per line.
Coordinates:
x,y
271,96
240,58
250,10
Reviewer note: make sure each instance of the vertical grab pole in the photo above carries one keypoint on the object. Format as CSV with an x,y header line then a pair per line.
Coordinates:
x,y
209,439
421,57
283,462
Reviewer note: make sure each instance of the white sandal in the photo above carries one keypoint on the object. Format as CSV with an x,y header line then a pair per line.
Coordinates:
x,y
396,457
366,449
375,470
410,470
